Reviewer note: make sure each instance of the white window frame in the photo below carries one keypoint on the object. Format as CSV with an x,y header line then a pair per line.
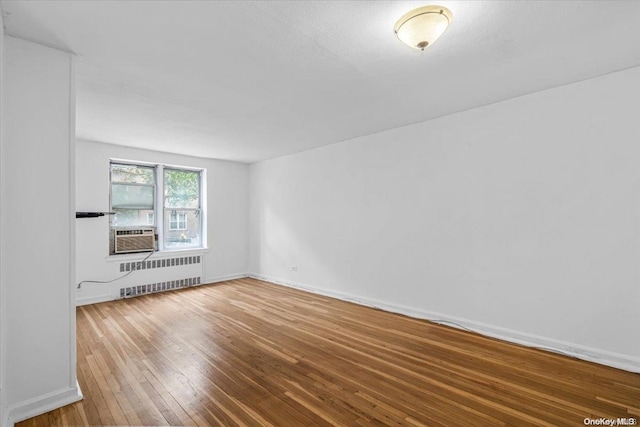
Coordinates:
x,y
159,201
202,209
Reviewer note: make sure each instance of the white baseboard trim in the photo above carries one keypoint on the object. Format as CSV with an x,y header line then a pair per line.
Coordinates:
x,y
225,278
94,299
45,403
603,357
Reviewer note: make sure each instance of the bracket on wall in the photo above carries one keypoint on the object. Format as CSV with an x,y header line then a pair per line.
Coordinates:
x,y
92,214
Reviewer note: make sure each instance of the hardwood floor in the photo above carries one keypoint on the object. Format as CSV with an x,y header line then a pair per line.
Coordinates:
x,y
246,352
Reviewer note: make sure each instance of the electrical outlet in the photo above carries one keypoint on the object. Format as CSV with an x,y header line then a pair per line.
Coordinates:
x,y
294,268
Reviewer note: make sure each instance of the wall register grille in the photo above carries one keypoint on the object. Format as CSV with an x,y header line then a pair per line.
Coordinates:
x,y
159,263
150,288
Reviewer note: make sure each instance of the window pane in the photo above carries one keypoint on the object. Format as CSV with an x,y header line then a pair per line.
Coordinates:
x,y
178,220
175,221
125,196
182,228
130,217
181,188
132,174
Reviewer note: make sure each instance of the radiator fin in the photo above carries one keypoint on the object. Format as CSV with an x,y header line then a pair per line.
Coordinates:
x,y
150,288
160,263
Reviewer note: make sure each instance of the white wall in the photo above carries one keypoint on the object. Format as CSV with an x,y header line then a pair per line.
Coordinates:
x,y
38,240
517,219
2,282
227,221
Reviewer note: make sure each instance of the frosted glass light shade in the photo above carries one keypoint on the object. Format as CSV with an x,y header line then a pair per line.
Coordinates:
x,y
422,26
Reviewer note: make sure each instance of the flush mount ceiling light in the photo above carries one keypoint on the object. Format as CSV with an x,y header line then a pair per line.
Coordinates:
x,y
422,26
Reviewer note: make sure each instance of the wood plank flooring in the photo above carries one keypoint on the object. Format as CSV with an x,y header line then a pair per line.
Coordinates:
x,y
249,353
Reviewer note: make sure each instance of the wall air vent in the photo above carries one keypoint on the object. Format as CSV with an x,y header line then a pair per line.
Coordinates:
x,y
134,240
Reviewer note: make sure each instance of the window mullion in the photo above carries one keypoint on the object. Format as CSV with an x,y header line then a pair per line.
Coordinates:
x,y
160,206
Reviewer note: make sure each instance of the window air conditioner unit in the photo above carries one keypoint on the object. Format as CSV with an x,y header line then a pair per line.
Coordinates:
x,y
134,240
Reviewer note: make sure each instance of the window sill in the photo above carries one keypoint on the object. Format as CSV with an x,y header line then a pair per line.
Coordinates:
x,y
142,255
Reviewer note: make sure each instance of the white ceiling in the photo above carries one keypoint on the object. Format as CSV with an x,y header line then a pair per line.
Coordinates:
x,y
248,81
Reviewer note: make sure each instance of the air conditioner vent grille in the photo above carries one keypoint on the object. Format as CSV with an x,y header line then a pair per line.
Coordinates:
x,y
134,240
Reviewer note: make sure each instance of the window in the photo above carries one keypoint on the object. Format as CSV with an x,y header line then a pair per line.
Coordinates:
x,y
140,191
178,221
182,208
133,189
